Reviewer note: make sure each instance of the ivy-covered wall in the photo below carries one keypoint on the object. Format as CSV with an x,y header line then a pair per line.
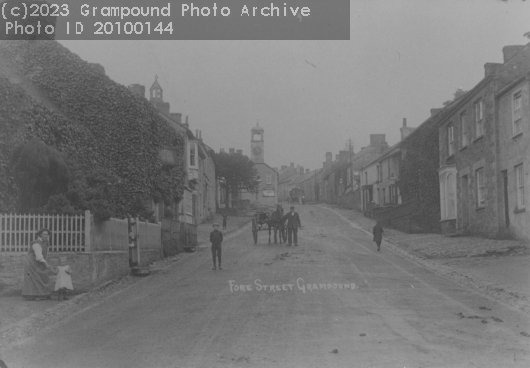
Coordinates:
x,y
93,120
419,168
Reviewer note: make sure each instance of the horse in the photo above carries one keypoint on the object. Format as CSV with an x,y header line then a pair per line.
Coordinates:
x,y
276,222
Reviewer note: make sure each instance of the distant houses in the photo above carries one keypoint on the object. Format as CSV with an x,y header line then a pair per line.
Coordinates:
x,y
463,171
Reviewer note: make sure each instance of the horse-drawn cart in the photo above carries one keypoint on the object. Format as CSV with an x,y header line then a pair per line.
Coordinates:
x,y
295,196
271,222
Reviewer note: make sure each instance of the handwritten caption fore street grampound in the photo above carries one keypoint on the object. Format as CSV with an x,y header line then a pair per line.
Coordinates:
x,y
299,285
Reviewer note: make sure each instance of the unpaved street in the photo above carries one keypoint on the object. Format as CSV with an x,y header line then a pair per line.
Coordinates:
x,y
335,302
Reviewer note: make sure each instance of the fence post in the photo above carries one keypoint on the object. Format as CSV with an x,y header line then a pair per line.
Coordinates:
x,y
87,232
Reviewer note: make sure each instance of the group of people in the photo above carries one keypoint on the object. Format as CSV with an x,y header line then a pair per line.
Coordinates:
x,y
293,223
37,270
37,284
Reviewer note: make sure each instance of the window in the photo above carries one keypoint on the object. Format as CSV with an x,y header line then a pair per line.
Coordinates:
x,y
366,177
193,154
519,182
517,121
463,128
479,121
450,140
479,177
269,178
384,197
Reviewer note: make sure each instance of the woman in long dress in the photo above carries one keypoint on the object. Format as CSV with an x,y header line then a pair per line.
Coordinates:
x,y
36,269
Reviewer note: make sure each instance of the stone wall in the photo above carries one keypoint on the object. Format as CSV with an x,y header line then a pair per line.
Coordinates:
x,y
89,269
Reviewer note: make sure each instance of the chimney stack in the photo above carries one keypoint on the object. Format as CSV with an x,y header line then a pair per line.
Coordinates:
x,y
509,51
489,68
377,140
239,152
405,131
292,164
137,90
301,169
186,124
176,116
231,151
435,111
221,150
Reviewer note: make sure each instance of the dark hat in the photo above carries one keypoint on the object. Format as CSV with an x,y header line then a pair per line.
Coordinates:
x,y
292,207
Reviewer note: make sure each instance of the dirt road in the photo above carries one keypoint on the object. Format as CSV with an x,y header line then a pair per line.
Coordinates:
x,y
333,301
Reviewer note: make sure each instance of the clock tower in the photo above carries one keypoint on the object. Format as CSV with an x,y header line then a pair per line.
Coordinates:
x,y
256,145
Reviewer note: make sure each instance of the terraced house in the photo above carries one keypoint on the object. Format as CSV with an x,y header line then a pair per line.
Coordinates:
x,y
485,153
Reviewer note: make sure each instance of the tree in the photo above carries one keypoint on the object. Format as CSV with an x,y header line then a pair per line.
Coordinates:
x,y
49,182
235,172
40,172
458,93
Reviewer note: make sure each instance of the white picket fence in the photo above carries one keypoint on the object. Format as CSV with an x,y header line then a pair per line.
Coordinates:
x,y
68,234
75,234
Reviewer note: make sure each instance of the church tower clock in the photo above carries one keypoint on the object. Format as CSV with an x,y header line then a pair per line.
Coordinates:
x,y
256,145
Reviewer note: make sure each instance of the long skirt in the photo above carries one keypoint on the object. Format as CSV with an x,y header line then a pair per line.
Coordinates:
x,y
36,278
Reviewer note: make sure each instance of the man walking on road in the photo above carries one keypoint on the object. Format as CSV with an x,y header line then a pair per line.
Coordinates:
x,y
216,237
293,224
378,235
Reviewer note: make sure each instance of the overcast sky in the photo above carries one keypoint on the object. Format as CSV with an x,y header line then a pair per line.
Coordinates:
x,y
404,57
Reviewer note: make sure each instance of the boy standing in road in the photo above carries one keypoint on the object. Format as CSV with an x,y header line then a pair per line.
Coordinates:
x,y
216,237
293,224
378,235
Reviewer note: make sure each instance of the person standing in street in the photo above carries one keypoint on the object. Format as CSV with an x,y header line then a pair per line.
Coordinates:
x,y
293,224
36,269
216,238
378,235
225,215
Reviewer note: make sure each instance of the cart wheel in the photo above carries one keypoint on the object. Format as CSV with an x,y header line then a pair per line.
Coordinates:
x,y
255,231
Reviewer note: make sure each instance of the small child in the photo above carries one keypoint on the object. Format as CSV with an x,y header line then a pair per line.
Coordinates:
x,y
64,282
216,237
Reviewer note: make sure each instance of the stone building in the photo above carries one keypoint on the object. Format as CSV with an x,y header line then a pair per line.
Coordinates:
x,y
484,153
286,175
514,157
338,181
201,186
267,194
